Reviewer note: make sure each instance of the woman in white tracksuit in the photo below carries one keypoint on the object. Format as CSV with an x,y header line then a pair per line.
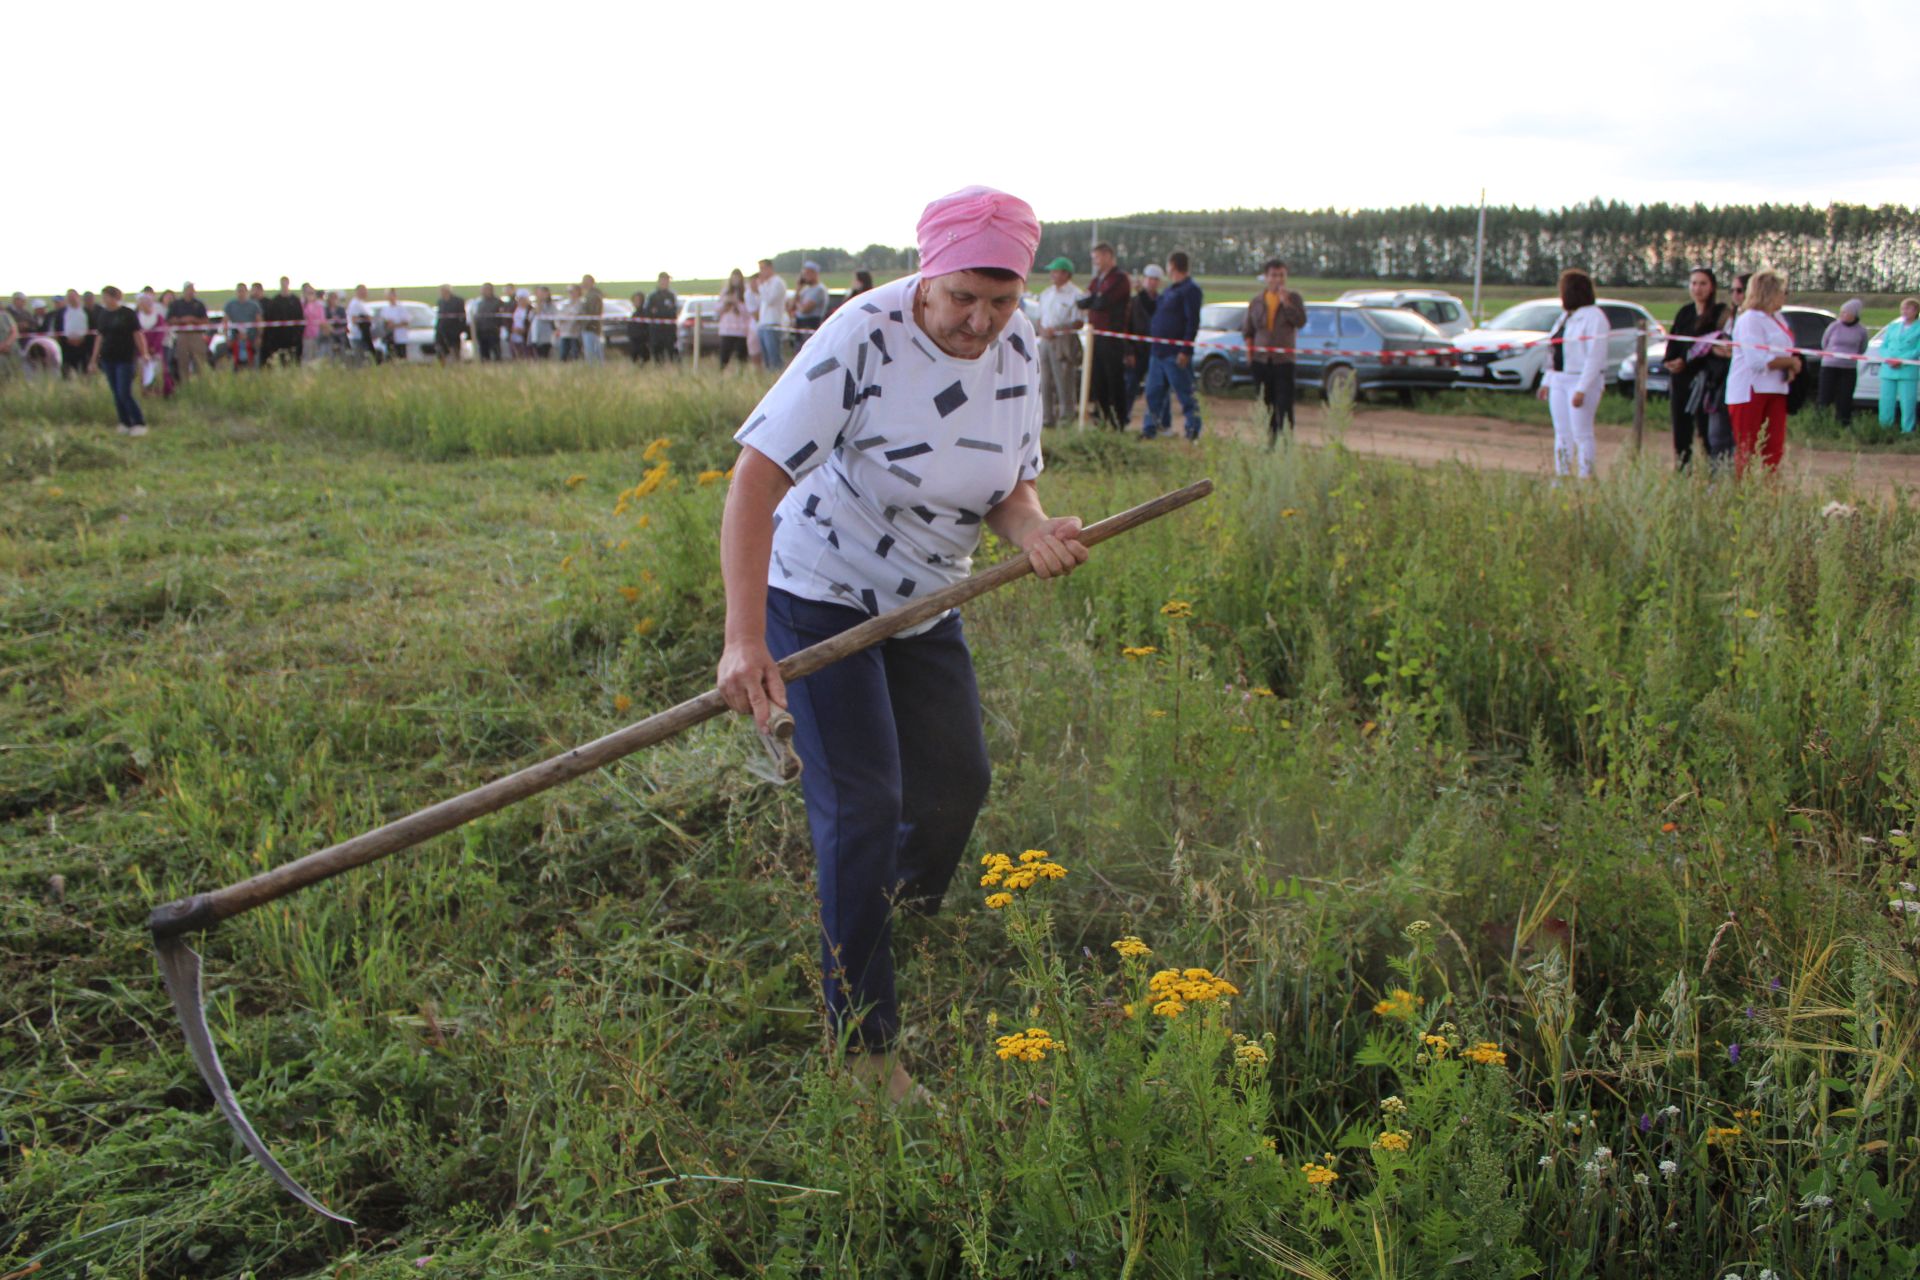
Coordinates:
x,y
1576,373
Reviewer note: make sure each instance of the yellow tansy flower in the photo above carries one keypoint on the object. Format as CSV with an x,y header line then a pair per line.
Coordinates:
x,y
999,900
1486,1053
1177,609
575,480
1131,948
1396,1140
1139,651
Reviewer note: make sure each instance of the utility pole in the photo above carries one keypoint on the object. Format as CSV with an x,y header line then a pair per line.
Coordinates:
x,y
1479,251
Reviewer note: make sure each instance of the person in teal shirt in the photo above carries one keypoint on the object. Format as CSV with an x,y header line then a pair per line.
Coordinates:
x,y
1900,367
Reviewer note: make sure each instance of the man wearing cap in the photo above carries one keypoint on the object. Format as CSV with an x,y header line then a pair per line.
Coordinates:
x,y
1060,321
808,306
1105,305
864,478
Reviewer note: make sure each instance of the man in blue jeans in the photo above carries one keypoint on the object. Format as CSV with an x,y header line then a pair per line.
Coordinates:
x,y
1177,317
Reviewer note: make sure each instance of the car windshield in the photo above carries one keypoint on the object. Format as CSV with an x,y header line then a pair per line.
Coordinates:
x,y
1401,324
1223,315
1538,316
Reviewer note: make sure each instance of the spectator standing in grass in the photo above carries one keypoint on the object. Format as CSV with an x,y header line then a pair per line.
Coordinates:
x,y
1576,374
543,323
1761,369
1697,377
449,324
522,325
94,309
487,315
22,314
1843,343
73,327
592,306
639,342
1900,368
732,319
336,324
153,330
1176,317
809,303
566,325
862,281
122,344
1059,346
663,308
315,337
773,314
1274,316
397,324
896,765
1105,305
1140,324
12,337
187,317
361,317
242,320
281,335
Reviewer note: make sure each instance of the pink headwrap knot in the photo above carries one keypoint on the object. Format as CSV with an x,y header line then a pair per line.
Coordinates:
x,y
978,227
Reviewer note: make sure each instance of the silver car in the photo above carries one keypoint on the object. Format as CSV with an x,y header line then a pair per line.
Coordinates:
x,y
1511,354
1442,310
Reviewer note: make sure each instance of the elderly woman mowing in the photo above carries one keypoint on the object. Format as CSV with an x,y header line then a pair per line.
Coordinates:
x,y
864,478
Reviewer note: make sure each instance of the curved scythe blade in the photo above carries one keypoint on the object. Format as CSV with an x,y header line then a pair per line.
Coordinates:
x,y
180,970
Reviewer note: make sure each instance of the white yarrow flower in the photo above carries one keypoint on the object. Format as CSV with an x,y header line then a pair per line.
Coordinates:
x,y
1642,1179
1669,1112
1668,1168
1907,905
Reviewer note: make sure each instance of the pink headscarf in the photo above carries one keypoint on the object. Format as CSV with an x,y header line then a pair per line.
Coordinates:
x,y
978,227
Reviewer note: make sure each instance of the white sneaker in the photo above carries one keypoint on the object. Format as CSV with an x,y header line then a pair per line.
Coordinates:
x,y
136,431
124,429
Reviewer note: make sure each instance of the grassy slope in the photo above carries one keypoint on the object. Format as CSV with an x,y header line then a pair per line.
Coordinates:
x,y
301,607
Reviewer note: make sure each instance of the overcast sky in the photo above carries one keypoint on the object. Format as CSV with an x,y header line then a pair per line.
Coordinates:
x,y
413,142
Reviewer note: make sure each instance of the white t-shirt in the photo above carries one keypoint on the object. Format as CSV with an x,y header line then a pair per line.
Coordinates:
x,y
897,451
73,321
773,301
359,309
396,315
1056,306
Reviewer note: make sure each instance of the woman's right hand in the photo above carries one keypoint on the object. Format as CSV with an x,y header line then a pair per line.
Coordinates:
x,y
750,680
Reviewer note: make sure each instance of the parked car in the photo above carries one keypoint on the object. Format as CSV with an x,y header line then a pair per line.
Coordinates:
x,y
705,307
1510,352
1442,310
1809,325
1866,387
1343,349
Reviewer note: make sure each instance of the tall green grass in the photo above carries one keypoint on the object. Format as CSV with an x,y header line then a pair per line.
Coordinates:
x,y
1637,757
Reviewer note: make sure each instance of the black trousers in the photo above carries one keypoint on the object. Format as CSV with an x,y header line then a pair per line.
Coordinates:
x,y
73,358
1109,388
1276,388
733,347
1837,379
489,344
1713,430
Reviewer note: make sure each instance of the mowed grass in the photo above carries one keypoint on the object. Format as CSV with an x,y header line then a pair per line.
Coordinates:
x,y
1614,779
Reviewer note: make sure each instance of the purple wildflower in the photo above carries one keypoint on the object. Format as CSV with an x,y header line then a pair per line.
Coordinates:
x,y
1733,1052
1646,1123
1773,984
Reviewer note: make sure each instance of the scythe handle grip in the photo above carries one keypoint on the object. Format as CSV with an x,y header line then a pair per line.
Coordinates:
x,y
203,910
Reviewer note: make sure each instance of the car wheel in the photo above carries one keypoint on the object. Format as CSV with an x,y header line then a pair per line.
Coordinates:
x,y
1340,385
1216,377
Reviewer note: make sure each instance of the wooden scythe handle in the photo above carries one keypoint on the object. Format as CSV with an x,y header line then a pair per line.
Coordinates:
x,y
204,910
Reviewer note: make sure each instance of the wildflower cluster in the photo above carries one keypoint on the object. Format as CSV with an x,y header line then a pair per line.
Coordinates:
x,y
713,477
1400,1003
1174,989
1031,1045
1486,1053
1320,1175
656,476
1131,948
1134,651
1249,1053
1398,1141
1003,874
1177,609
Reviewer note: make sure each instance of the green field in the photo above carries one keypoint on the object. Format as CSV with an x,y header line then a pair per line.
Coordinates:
x,y
1553,840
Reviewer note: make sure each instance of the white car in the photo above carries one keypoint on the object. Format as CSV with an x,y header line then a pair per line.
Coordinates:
x,y
1443,311
1509,354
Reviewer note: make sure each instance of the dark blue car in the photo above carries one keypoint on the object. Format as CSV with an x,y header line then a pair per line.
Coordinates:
x,y
1343,350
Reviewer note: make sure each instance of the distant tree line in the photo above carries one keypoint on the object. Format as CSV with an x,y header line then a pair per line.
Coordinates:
x,y
1837,249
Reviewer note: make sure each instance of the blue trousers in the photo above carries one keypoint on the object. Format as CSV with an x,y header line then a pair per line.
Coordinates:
x,y
895,771
120,379
773,349
1165,370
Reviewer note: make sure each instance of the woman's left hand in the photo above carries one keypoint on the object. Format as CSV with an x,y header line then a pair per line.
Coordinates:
x,y
1579,399
1054,546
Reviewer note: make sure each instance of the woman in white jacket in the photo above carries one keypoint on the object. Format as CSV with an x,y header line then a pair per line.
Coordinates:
x,y
1576,374
1763,364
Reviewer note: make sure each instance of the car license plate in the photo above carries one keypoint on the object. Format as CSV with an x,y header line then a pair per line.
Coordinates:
x,y
1472,371
1421,362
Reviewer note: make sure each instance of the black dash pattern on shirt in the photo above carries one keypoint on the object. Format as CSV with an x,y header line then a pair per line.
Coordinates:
x,y
879,341
950,399
923,512
906,451
885,544
822,369
967,517
867,442
870,600
906,587
1010,393
801,454
984,446
905,474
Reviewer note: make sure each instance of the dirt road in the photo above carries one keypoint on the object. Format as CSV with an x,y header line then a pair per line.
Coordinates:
x,y
1427,439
